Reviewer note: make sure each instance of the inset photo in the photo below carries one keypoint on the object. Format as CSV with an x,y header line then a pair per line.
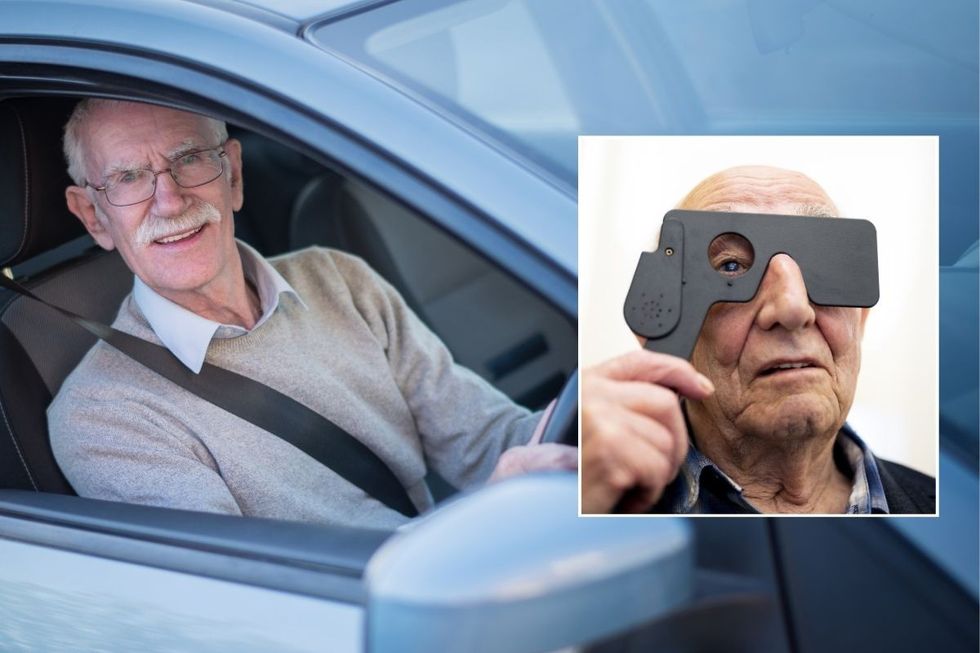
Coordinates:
x,y
758,325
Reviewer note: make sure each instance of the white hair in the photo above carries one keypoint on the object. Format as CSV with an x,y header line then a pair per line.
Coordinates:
x,y
74,145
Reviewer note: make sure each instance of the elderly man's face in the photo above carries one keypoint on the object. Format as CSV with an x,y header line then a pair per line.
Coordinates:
x,y
782,367
172,241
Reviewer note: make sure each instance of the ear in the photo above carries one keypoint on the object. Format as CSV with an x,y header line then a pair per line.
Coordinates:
x,y
233,148
80,203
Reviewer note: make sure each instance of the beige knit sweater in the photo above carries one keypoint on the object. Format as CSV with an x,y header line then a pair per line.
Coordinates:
x,y
358,356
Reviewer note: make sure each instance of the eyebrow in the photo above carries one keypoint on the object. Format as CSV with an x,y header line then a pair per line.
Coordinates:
x,y
815,211
185,146
728,243
182,148
124,166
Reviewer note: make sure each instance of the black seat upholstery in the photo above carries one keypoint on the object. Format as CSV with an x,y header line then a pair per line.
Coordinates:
x,y
274,175
38,348
326,213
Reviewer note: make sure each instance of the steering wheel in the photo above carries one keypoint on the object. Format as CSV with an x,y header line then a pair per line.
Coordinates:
x,y
562,426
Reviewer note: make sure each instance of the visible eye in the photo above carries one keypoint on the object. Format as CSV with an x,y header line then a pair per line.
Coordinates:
x,y
731,266
127,177
731,254
190,159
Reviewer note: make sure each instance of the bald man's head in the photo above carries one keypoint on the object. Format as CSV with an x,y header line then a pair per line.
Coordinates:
x,y
743,347
760,189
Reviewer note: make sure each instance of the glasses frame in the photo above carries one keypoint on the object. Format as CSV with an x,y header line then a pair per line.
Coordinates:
x,y
156,173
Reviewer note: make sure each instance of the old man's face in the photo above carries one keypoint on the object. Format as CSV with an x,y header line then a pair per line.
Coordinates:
x,y
181,239
782,367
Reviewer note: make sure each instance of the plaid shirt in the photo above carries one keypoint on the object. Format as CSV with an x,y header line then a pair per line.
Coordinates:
x,y
702,488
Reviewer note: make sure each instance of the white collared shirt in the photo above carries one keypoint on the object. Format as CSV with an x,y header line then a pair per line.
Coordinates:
x,y
186,334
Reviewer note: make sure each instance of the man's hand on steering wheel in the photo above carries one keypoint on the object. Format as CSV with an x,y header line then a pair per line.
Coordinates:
x,y
553,444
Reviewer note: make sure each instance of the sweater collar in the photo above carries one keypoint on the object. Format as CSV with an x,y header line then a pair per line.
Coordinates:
x,y
186,334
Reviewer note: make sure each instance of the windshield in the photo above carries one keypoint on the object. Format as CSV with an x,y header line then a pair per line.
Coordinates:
x,y
531,76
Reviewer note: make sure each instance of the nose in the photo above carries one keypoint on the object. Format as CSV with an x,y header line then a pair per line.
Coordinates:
x,y
169,198
783,298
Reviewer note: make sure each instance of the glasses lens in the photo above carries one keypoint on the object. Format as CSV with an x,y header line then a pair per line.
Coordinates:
x,y
197,168
192,169
129,187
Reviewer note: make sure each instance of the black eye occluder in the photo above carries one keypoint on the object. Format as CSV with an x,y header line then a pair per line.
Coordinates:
x,y
674,286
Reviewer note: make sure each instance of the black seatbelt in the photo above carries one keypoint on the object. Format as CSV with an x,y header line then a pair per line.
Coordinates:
x,y
261,405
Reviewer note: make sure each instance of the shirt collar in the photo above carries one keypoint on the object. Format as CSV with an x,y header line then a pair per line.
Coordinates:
x,y
867,492
186,334
689,493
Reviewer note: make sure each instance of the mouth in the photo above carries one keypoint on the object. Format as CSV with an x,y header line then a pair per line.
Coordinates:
x,y
785,367
176,238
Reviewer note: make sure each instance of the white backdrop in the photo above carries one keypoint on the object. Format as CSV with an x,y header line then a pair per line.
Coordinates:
x,y
627,183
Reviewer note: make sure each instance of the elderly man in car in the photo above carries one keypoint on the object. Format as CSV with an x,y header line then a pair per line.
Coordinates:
x,y
160,186
760,424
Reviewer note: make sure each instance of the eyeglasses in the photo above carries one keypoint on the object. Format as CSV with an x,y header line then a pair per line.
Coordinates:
x,y
190,170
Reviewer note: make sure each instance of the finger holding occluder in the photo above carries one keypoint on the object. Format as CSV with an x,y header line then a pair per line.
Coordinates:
x,y
630,453
658,404
662,369
634,438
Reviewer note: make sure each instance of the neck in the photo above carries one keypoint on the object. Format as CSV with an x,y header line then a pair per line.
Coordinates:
x,y
777,476
230,299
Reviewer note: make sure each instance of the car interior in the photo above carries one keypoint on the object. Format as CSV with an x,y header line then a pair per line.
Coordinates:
x,y
490,322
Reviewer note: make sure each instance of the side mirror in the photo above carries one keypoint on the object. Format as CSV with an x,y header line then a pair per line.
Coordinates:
x,y
512,568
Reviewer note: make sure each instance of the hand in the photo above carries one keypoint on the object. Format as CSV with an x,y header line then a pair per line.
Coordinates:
x,y
536,457
633,435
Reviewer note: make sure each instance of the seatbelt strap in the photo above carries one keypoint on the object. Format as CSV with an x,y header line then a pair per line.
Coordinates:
x,y
255,402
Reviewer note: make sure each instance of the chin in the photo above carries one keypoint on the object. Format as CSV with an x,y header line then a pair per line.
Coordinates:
x,y
794,418
181,282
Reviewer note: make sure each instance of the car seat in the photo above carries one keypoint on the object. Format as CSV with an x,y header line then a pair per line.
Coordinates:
x,y
492,324
274,176
44,247
326,212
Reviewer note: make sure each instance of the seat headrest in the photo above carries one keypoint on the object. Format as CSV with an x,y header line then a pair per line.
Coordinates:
x,y
33,215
